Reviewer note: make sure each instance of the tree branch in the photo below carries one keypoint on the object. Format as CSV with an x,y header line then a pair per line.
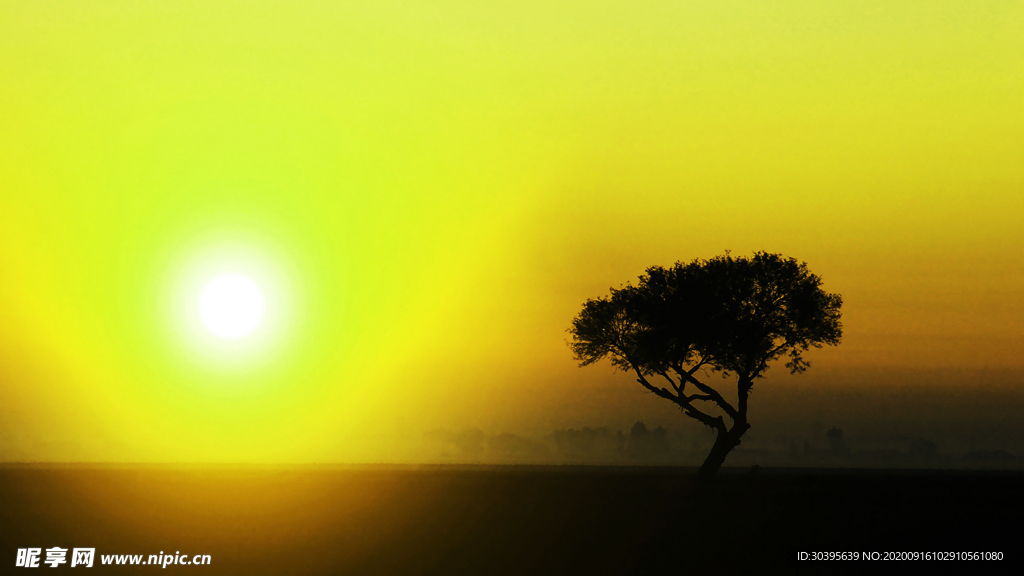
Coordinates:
x,y
678,389
659,391
708,390
699,397
688,409
771,353
717,423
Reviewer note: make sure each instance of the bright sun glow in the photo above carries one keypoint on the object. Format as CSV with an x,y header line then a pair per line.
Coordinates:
x,y
231,306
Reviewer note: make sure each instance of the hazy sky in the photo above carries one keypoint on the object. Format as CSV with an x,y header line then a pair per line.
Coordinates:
x,y
429,191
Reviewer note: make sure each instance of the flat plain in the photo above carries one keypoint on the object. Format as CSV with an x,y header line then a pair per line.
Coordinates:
x,y
457,520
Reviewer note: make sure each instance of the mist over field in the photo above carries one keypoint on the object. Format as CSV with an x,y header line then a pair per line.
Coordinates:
x,y
929,419
890,419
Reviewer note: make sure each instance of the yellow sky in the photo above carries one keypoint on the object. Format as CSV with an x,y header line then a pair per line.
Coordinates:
x,y
435,188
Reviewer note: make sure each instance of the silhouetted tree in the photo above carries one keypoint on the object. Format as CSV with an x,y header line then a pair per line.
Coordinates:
x,y
836,443
589,443
470,443
507,446
638,444
923,448
645,444
725,315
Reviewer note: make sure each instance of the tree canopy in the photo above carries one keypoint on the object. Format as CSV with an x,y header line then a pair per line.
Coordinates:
x,y
730,315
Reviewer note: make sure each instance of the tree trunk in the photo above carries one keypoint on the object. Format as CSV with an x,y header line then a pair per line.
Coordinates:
x,y
724,443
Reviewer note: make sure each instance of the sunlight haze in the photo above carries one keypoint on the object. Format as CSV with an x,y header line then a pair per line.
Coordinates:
x,y
417,198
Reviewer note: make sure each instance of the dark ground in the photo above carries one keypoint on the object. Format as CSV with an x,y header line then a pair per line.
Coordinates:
x,y
511,520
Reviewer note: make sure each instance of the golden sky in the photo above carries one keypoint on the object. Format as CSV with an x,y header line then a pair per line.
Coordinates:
x,y
429,191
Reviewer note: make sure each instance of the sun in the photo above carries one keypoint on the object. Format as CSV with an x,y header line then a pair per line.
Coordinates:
x,y
231,306
230,301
